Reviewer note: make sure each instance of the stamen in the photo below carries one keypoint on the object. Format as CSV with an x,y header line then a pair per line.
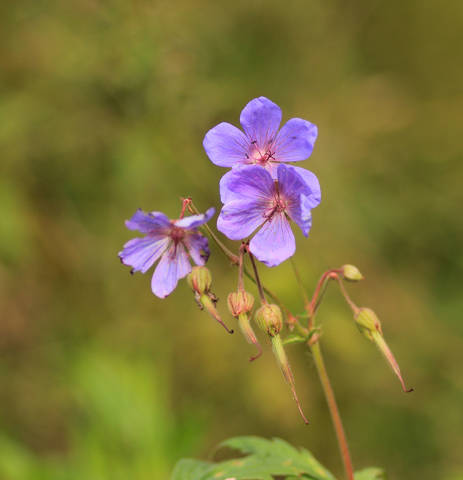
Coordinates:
x,y
185,203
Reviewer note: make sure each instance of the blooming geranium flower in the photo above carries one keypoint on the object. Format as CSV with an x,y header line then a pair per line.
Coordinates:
x,y
261,143
172,240
253,199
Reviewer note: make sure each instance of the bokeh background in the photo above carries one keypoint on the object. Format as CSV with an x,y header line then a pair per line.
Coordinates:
x,y
104,106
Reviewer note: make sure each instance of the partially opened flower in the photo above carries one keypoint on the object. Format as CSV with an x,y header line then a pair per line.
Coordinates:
x,y
253,199
261,143
175,241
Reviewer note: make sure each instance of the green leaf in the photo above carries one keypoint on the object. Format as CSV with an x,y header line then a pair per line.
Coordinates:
x,y
264,460
371,473
294,338
189,469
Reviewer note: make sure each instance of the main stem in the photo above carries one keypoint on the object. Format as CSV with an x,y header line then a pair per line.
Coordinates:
x,y
335,416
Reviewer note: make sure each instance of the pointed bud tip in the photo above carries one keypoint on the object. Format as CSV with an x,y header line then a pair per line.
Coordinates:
x,y
351,273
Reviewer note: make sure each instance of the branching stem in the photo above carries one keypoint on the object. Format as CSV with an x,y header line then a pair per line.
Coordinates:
x,y
314,346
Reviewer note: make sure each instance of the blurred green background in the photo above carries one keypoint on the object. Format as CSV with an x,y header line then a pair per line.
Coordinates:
x,y
103,108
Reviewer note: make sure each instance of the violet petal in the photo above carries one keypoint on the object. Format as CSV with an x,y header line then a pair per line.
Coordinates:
x,y
313,193
198,247
147,222
226,145
238,219
295,140
274,242
173,266
195,221
249,182
141,253
260,119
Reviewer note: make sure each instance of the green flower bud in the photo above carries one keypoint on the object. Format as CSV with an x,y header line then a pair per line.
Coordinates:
x,y
240,302
283,363
352,273
200,280
207,301
269,319
249,335
370,326
367,322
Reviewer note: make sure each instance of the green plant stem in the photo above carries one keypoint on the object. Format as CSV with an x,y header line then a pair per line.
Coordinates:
x,y
333,408
311,308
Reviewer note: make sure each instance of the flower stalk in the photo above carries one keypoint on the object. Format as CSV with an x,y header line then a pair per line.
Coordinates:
x,y
333,408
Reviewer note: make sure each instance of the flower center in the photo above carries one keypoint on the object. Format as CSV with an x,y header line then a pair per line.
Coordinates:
x,y
278,204
260,156
177,234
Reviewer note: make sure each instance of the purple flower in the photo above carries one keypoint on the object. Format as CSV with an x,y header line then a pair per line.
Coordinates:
x,y
172,240
261,143
253,199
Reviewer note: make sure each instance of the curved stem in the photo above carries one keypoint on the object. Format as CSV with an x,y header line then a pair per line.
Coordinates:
x,y
335,416
349,301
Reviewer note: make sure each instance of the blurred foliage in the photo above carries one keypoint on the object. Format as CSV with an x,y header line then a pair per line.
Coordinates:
x,y
103,109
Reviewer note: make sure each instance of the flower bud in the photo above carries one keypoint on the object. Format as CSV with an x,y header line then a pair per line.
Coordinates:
x,y
367,322
370,326
283,363
249,335
200,279
207,301
269,318
352,273
240,302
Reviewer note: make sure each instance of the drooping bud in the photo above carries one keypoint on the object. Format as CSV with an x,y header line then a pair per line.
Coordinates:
x,y
240,302
370,326
249,335
269,318
199,279
208,301
283,363
351,273
367,322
